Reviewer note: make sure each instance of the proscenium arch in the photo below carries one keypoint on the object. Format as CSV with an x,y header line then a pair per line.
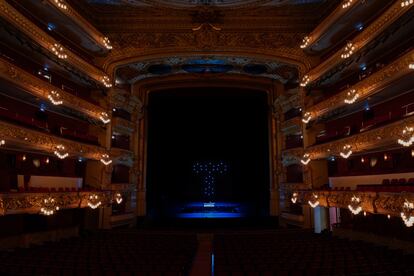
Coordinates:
x,y
297,59
143,88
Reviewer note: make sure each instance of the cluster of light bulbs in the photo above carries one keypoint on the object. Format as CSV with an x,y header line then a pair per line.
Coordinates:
x,y
118,198
58,50
351,96
305,81
93,201
60,152
305,159
61,4
305,42
348,50
55,98
104,117
315,202
105,159
406,213
407,138
294,198
2,142
49,206
411,65
107,43
347,151
106,81
406,3
354,206
346,4
307,117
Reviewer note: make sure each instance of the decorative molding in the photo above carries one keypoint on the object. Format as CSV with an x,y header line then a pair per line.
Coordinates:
x,y
20,137
41,89
370,202
292,156
367,86
378,137
361,40
47,42
123,126
72,14
30,203
291,126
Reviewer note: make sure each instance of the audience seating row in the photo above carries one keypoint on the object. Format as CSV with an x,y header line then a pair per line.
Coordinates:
x,y
304,253
105,253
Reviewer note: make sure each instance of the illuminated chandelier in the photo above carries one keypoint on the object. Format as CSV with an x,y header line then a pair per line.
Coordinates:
x,y
55,98
305,81
354,206
348,51
60,152
347,151
93,201
104,117
106,81
406,213
307,117
294,198
305,159
118,198
49,206
351,96
105,159
61,4
346,4
406,3
305,42
314,202
407,138
58,50
107,43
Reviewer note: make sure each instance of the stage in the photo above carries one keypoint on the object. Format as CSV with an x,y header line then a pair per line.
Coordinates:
x,y
213,210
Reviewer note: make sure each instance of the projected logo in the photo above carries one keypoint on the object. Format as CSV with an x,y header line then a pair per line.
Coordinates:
x,y
209,170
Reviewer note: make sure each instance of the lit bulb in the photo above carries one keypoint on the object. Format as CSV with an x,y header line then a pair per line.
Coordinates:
x,y
305,42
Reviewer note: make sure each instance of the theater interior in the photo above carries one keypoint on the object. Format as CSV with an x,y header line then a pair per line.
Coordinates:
x,y
206,137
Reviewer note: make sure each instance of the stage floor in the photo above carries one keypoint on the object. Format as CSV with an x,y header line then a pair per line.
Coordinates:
x,y
211,210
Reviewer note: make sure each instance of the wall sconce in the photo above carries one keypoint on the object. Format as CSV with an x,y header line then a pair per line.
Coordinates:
x,y
351,96
294,198
104,117
307,117
354,206
305,81
406,213
106,81
61,4
55,98
118,198
314,202
406,3
49,206
407,137
93,201
60,152
107,43
305,42
346,4
59,51
2,142
105,159
305,159
346,152
348,50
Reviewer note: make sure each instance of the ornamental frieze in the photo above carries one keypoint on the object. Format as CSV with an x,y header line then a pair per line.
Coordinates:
x,y
35,140
19,203
42,89
371,139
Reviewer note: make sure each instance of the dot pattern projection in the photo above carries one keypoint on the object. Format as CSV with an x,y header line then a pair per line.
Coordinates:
x,y
209,170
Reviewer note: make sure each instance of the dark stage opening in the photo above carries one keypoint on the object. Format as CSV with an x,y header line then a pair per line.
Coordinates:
x,y
208,154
